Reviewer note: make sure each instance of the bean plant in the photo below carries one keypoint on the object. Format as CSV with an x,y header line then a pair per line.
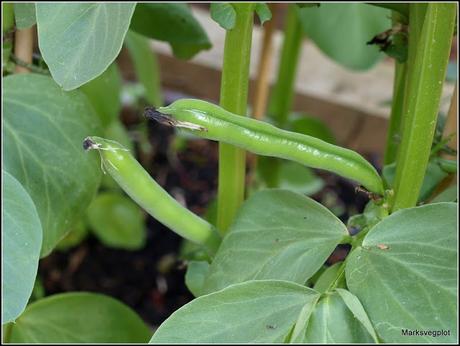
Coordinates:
x,y
69,163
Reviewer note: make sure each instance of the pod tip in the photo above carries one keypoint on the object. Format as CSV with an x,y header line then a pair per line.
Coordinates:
x,y
89,144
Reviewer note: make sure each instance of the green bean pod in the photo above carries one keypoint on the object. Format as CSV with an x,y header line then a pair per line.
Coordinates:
x,y
209,121
140,186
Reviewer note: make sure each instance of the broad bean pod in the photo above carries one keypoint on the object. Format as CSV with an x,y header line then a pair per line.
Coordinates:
x,y
209,121
144,190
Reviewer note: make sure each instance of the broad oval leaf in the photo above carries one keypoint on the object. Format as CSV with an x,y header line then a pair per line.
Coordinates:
x,y
117,221
342,31
79,318
173,23
250,312
104,94
356,308
277,234
79,41
21,243
405,273
333,322
328,276
43,131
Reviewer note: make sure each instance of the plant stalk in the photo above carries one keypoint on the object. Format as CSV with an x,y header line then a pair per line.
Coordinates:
x,y
23,48
264,68
283,93
234,98
284,90
263,82
394,130
431,30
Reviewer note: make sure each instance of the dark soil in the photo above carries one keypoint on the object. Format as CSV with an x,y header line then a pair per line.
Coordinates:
x,y
151,280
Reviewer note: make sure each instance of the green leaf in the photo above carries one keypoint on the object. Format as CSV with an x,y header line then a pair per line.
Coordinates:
x,y
79,318
433,176
173,23
117,221
298,332
24,15
223,14
250,312
74,237
298,178
146,66
104,94
312,127
277,234
79,41
21,243
43,131
195,276
333,322
341,31
263,12
355,306
327,278
405,273
448,195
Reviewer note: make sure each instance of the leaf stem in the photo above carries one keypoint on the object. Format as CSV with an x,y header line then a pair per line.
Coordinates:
x,y
430,38
233,97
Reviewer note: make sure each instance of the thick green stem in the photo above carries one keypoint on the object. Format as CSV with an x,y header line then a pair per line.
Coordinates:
x,y
7,17
394,130
234,98
283,92
431,26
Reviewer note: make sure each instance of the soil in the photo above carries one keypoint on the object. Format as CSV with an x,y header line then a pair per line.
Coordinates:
x,y
151,280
